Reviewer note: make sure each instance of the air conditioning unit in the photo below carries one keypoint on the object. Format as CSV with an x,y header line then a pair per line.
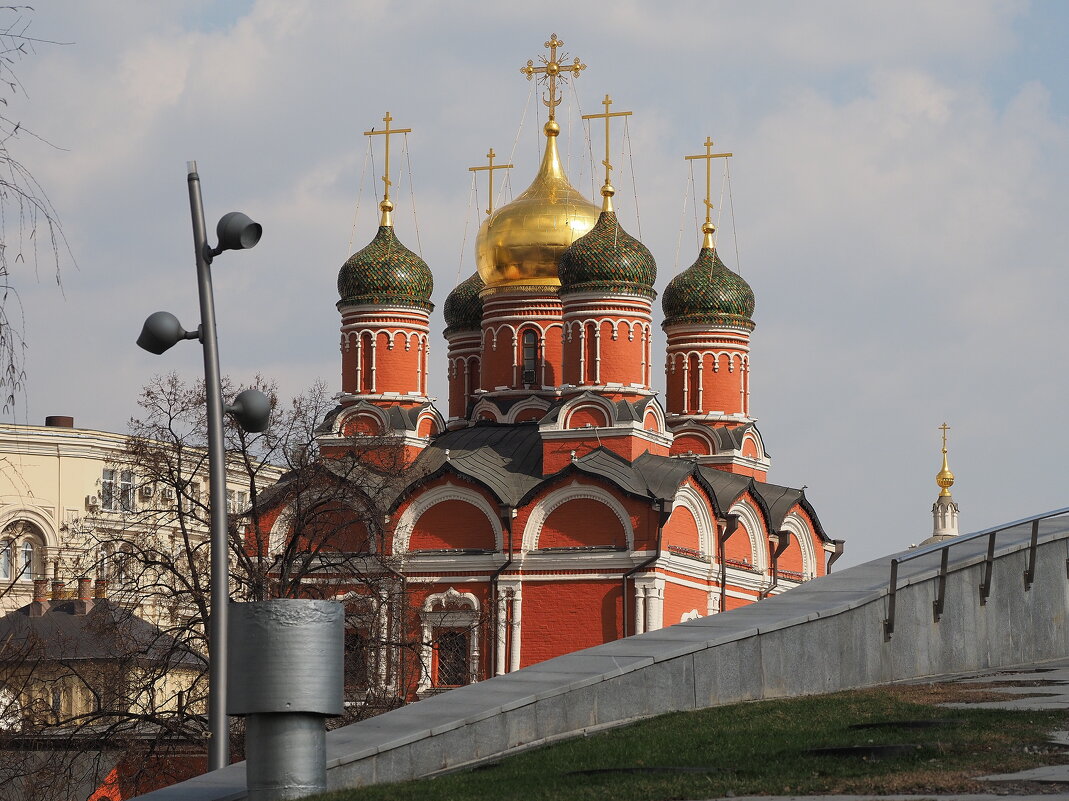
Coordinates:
x,y
168,493
92,502
148,491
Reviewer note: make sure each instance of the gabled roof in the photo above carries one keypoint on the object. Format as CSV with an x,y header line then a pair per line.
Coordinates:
x,y
106,632
505,458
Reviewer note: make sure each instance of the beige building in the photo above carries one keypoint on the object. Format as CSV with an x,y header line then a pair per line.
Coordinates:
x,y
64,490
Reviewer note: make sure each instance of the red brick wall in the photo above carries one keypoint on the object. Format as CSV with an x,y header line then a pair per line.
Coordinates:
x,y
679,600
682,529
452,524
582,521
561,617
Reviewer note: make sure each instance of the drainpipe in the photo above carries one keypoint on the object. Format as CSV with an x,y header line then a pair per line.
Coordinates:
x,y
507,513
731,525
778,540
839,548
662,518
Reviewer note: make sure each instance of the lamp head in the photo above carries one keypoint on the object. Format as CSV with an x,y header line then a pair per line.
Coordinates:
x,y
161,332
251,409
236,232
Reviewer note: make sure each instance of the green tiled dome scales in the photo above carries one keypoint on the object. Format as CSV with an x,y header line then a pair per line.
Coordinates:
x,y
385,273
608,259
708,292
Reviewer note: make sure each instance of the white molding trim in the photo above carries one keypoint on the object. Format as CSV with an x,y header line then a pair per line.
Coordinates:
x,y
574,491
800,530
424,502
691,499
749,517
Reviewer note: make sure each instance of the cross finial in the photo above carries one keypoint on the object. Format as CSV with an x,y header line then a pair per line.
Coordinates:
x,y
607,191
553,70
490,169
386,205
708,155
944,478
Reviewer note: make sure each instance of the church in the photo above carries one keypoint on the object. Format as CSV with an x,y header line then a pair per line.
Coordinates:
x,y
557,503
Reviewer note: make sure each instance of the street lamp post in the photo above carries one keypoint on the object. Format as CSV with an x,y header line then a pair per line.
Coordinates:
x,y
161,331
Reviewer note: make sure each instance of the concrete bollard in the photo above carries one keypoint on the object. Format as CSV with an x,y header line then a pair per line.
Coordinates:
x,y
285,675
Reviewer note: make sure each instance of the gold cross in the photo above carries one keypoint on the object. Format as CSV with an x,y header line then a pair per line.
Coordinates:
x,y
553,69
709,155
387,132
607,102
944,428
490,168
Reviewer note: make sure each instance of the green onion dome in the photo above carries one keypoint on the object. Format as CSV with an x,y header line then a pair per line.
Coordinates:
x,y
708,293
385,273
607,259
463,308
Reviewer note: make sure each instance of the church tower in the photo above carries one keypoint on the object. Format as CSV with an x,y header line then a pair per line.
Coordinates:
x,y
945,509
708,317
607,294
385,307
517,251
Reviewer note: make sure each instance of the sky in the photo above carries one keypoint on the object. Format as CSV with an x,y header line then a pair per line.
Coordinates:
x,y
897,201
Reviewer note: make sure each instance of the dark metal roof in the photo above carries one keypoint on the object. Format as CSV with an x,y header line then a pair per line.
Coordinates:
x,y
106,632
506,459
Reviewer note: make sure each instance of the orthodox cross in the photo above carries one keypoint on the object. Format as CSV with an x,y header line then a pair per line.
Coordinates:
x,y
553,69
944,428
387,132
490,168
708,155
606,116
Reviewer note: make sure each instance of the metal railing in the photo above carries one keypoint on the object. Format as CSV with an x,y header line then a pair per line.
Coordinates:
x,y
989,560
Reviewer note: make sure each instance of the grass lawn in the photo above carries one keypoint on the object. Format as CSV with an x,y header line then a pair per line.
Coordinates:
x,y
760,748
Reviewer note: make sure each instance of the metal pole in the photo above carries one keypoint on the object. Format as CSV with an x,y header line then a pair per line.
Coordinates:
x,y
218,722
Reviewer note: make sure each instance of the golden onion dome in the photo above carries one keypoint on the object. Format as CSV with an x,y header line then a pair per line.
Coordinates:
x,y
944,478
520,244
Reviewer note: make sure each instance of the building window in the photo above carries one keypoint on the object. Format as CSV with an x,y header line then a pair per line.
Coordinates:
x,y
117,490
450,640
5,559
29,569
356,656
530,356
237,501
452,654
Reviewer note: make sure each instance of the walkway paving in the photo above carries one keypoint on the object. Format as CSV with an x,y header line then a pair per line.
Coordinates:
x,y
1044,686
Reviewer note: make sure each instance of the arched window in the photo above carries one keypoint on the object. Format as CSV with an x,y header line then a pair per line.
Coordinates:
x,y
530,356
28,569
5,559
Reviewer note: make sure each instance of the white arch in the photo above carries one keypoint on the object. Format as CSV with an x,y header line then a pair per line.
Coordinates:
x,y
749,517
486,406
402,534
800,530
358,410
526,405
37,518
533,530
694,502
451,599
579,402
699,433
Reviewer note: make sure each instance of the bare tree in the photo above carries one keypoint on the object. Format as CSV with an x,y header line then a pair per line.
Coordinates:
x,y
30,230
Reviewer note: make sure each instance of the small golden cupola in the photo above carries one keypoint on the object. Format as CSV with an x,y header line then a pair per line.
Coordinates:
x,y
519,244
944,478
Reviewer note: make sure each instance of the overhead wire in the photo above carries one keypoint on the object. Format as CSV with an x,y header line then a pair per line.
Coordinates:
x,y
359,194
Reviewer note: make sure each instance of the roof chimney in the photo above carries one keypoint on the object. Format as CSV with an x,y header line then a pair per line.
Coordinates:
x,y
59,421
39,605
101,589
57,590
85,596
